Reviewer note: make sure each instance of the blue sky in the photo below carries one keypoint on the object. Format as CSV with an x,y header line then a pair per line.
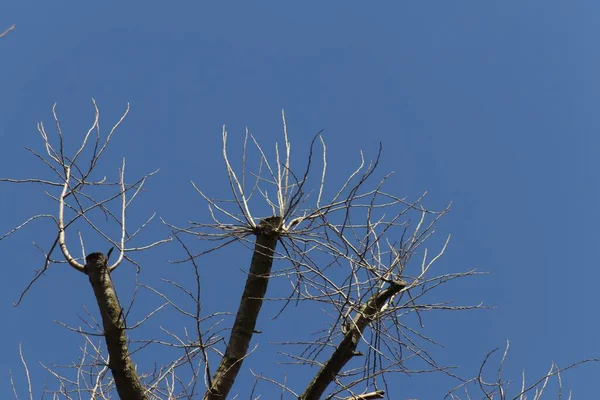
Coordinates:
x,y
490,105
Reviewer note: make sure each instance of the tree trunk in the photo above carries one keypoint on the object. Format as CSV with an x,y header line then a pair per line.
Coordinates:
x,y
267,234
126,379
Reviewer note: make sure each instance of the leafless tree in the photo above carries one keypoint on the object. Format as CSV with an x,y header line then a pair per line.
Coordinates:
x,y
355,251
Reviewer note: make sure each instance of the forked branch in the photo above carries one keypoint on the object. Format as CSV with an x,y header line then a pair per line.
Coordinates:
x,y
73,178
320,237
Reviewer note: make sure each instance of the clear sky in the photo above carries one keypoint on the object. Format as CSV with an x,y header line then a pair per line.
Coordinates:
x,y
490,105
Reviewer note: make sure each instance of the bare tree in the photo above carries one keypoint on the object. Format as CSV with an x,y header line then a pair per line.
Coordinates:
x,y
357,252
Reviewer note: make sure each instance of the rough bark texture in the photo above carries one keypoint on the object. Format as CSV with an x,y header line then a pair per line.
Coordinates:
x,y
347,347
267,234
126,379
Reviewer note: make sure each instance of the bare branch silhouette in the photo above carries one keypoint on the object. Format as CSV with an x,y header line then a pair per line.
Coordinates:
x,y
499,387
351,253
73,180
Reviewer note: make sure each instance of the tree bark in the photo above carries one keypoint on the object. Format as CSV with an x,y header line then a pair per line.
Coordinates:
x,y
126,379
267,234
347,347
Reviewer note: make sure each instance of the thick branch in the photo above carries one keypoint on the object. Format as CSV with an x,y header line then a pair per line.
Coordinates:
x,y
267,234
347,347
122,368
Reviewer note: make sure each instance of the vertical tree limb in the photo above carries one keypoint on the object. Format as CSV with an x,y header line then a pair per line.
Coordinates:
x,y
126,379
267,234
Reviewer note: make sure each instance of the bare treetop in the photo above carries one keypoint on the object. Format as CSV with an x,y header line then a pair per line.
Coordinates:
x,y
350,250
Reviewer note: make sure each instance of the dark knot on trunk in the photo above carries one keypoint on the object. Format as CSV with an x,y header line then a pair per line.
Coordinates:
x,y
94,258
95,262
269,226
